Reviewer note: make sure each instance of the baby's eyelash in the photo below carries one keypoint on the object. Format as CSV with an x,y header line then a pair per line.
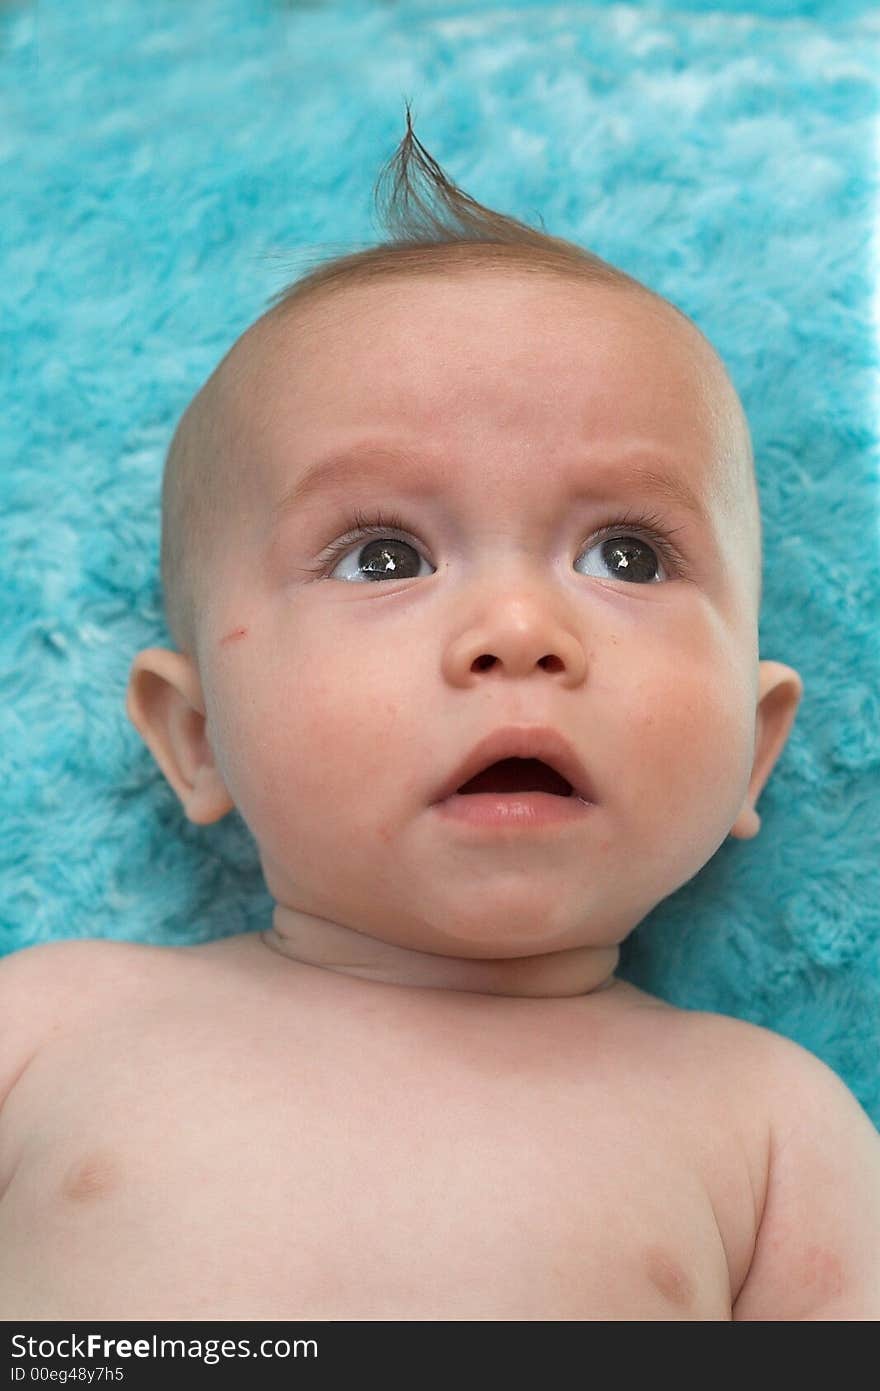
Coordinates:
x,y
361,524
644,526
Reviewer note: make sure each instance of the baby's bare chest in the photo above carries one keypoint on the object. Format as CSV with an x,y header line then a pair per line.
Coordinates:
x,y
234,1171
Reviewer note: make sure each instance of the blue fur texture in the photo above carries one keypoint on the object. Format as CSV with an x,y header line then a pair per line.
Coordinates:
x,y
167,167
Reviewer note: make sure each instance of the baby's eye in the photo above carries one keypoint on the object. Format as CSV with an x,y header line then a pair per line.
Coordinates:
x,y
370,551
626,557
388,558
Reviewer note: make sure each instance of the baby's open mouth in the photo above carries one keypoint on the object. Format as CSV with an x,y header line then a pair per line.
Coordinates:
x,y
518,775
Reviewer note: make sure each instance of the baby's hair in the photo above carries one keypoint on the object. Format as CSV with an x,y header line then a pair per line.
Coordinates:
x,y
446,231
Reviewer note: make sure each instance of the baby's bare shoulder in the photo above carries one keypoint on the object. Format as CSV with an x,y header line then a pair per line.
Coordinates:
x,y
783,1081
703,1034
53,988
718,1047
772,1068
55,966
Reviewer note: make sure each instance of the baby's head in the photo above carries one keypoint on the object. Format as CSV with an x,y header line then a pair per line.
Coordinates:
x,y
563,532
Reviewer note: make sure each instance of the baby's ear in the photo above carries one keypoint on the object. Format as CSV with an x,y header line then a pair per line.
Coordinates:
x,y
779,695
165,704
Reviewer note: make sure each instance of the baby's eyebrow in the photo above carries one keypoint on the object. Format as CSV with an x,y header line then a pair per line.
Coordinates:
x,y
640,470
364,461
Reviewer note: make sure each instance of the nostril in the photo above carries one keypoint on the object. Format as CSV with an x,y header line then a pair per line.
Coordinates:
x,y
551,663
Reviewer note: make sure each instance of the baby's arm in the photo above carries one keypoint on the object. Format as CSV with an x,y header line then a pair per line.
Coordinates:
x,y
817,1252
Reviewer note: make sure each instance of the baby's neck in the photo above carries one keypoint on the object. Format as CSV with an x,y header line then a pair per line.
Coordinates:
x,y
319,942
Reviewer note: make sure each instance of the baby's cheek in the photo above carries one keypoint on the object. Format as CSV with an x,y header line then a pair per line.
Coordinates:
x,y
275,727
247,729
694,734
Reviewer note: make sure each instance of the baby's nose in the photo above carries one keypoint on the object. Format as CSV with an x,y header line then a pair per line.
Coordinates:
x,y
523,640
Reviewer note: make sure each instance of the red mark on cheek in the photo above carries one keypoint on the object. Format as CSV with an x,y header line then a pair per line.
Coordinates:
x,y
233,636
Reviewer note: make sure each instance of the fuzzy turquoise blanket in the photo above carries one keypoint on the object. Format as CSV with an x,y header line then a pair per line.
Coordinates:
x,y
165,168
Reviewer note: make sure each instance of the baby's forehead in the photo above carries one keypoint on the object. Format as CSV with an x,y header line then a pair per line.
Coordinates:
x,y
612,360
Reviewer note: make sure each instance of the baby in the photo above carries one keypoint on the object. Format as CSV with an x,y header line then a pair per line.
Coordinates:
x,y
462,559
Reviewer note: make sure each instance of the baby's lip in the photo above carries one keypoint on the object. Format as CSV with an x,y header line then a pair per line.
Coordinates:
x,y
522,741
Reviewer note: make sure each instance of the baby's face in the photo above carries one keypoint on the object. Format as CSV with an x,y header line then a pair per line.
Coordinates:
x,y
503,423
